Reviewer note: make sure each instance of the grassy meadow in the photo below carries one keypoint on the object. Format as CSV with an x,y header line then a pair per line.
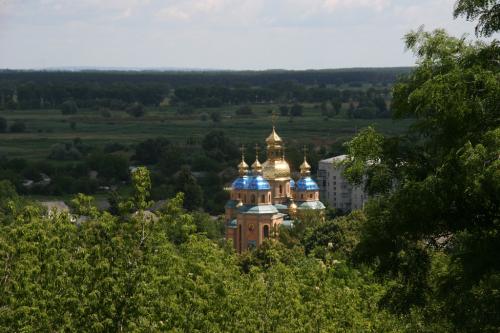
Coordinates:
x,y
45,128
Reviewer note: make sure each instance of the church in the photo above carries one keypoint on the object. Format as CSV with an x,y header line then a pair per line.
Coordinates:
x,y
265,197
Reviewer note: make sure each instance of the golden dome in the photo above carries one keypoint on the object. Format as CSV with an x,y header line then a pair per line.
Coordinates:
x,y
305,168
243,167
273,138
276,169
257,167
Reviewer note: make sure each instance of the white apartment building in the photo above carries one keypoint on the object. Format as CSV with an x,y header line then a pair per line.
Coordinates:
x,y
335,190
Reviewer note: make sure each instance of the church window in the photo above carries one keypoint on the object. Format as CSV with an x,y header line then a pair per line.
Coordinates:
x,y
262,198
302,196
310,196
252,198
239,195
265,231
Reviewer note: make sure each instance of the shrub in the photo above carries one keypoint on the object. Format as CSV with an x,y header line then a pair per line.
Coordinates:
x,y
136,110
244,111
296,110
69,107
3,125
18,127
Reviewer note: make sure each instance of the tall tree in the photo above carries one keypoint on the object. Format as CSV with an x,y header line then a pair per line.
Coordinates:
x,y
438,187
487,12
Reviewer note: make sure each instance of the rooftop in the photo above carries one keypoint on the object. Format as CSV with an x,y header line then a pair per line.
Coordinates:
x,y
338,158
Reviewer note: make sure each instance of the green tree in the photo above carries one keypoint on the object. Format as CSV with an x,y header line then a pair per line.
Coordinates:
x,y
284,110
216,116
18,127
437,187
69,107
218,146
84,205
296,110
244,111
339,236
141,184
136,110
109,166
487,12
186,183
3,125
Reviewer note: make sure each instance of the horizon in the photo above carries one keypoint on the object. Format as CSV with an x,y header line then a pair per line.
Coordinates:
x,y
180,70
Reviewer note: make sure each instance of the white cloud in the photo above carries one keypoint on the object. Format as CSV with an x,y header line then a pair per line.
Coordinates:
x,y
173,13
4,6
208,5
348,4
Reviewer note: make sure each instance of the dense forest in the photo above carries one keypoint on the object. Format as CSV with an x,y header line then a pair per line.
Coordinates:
x,y
420,257
42,90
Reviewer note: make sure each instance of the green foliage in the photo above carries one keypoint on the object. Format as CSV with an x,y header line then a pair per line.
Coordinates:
x,y
141,184
367,148
64,152
111,274
296,110
18,127
244,111
8,198
3,125
219,146
149,151
216,116
437,187
214,229
284,110
84,205
109,166
69,107
487,12
339,236
186,183
180,225
136,110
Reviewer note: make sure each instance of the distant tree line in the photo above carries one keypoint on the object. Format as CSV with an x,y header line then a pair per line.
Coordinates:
x,y
355,76
118,91
215,96
86,94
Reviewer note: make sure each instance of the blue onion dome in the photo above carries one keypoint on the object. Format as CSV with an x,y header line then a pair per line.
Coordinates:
x,y
241,183
292,184
306,184
259,183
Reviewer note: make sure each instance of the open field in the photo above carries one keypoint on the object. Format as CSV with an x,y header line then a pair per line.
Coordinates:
x,y
48,127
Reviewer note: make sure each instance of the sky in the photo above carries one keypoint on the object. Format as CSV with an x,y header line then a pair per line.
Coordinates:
x,y
216,34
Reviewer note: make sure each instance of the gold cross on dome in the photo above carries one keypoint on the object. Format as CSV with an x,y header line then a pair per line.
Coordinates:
x,y
242,149
257,149
305,149
274,117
